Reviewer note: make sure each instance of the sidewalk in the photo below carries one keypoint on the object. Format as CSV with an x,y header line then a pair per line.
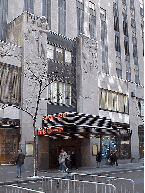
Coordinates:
x,y
8,173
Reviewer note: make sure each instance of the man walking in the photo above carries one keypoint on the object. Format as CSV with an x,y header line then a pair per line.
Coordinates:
x,y
63,155
19,162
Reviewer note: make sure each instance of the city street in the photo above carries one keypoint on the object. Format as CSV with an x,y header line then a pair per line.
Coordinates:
x,y
134,171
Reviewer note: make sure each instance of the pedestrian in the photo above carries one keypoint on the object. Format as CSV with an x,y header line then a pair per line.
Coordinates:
x,y
63,155
73,160
98,158
111,157
68,160
60,162
19,162
116,157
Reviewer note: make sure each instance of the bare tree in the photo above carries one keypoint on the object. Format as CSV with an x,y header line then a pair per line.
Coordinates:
x,y
35,74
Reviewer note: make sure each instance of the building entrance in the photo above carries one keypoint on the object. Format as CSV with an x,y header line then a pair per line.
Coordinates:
x,y
55,149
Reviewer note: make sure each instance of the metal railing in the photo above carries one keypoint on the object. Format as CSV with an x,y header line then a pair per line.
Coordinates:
x,y
64,185
123,185
19,189
78,183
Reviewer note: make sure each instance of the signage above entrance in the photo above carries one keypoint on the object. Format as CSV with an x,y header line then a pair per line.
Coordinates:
x,y
55,115
68,125
46,131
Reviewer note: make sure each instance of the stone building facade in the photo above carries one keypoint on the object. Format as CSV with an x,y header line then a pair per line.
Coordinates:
x,y
96,48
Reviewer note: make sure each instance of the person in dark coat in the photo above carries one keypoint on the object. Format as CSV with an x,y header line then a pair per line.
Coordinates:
x,y
19,162
115,157
73,160
98,158
111,158
68,160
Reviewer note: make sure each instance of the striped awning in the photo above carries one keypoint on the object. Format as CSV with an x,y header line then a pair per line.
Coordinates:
x,y
74,124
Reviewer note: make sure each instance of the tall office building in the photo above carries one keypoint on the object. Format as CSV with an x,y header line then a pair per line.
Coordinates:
x,y
97,49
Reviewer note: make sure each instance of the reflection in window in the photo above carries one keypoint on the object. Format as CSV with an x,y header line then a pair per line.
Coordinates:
x,y
126,104
103,99
114,98
120,103
110,105
59,55
50,51
68,57
113,101
60,93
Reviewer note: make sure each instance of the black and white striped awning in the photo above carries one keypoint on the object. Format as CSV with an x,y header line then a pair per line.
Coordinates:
x,y
74,124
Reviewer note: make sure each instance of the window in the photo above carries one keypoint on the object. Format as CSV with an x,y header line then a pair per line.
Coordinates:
x,y
124,1
134,51
60,93
132,12
46,11
92,26
120,103
141,11
59,55
68,57
133,23
10,84
126,46
105,67
116,23
132,4
112,101
125,27
92,20
50,51
29,6
80,17
62,17
103,99
103,32
117,43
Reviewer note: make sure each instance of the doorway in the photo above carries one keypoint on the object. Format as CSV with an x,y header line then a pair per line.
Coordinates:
x,y
55,149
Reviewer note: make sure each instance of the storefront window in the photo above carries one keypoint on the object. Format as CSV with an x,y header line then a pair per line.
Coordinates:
x,y
108,144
